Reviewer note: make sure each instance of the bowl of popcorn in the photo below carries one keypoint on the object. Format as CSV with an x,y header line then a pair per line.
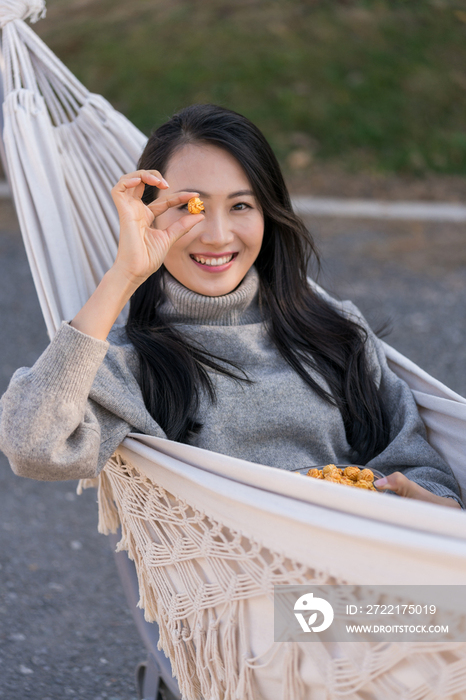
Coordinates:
x,y
348,475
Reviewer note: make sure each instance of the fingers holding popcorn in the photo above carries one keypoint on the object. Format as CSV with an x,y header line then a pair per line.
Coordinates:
x,y
142,246
162,204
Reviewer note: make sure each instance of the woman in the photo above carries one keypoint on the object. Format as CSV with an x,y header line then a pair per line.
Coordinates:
x,y
227,345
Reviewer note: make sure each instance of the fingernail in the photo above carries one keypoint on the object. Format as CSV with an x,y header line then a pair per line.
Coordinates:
x,y
381,482
165,182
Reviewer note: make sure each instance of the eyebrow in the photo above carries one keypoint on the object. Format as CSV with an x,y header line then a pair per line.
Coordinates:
x,y
240,193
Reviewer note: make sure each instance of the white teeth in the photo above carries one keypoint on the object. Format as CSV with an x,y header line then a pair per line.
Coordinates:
x,y
213,262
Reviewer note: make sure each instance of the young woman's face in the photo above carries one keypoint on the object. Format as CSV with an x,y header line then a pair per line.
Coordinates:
x,y
216,254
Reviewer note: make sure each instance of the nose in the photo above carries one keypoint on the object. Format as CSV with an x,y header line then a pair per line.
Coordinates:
x,y
215,229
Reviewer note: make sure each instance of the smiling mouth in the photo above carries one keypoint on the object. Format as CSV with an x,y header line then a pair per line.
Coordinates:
x,y
213,262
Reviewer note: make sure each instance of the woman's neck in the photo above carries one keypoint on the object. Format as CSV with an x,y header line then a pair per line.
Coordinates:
x,y
238,308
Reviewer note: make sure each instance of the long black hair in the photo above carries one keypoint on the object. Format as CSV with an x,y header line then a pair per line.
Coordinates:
x,y
308,331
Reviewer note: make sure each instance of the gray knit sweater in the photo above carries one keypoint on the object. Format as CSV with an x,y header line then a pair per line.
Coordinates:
x,y
64,417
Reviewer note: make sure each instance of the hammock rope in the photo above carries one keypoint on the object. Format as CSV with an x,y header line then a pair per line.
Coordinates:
x,y
210,535
65,149
11,10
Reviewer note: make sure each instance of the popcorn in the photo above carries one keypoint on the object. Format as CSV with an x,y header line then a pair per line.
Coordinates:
x,y
350,476
195,205
366,475
352,473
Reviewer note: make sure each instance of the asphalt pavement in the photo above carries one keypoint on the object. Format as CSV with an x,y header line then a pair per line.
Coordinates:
x,y
65,630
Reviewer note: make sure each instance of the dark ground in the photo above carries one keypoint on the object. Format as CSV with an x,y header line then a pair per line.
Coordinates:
x,y
64,628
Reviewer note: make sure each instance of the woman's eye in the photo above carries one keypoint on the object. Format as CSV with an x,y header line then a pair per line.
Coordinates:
x,y
241,206
183,206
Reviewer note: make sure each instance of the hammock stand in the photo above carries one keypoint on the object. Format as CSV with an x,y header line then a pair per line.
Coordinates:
x,y
211,535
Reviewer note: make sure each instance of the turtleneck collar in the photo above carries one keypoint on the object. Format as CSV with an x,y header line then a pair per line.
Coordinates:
x,y
237,308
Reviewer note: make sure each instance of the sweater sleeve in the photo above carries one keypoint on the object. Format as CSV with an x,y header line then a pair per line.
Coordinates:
x,y
408,450
64,417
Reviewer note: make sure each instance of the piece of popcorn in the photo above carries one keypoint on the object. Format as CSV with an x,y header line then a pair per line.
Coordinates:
x,y
352,473
195,205
328,469
363,484
366,475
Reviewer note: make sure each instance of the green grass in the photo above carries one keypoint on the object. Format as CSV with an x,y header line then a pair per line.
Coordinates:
x,y
377,86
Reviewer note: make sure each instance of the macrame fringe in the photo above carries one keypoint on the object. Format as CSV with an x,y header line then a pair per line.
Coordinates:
x,y
212,658
87,484
203,626
202,671
184,664
109,520
293,686
165,642
195,654
245,689
230,652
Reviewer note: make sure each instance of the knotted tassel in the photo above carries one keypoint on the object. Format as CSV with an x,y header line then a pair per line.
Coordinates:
x,y
293,686
84,484
212,658
198,651
245,689
231,651
147,596
184,666
21,9
165,642
109,520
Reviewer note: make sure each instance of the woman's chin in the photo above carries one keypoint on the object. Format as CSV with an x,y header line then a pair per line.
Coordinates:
x,y
210,284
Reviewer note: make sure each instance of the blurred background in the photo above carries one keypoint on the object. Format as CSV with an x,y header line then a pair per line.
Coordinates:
x,y
369,87
359,99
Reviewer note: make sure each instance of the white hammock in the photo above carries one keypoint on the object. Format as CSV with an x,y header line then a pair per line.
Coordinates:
x,y
210,535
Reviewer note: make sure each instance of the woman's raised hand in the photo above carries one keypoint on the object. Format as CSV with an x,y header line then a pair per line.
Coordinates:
x,y
142,248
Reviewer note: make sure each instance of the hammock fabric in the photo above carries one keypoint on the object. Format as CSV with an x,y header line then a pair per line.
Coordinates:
x,y
211,535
